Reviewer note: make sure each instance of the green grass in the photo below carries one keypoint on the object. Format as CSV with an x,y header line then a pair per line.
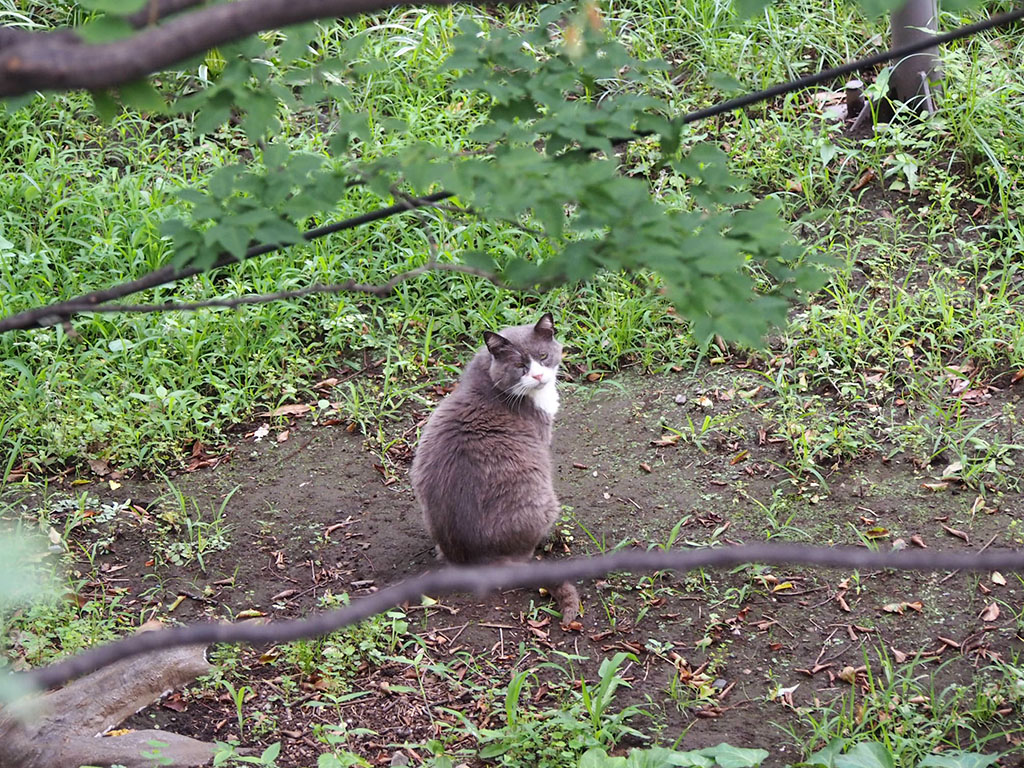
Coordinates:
x,y
912,714
82,202
923,304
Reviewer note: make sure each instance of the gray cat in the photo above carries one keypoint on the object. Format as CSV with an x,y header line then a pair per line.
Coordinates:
x,y
482,471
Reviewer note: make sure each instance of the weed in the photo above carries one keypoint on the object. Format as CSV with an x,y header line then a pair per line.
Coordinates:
x,y
556,737
184,536
905,714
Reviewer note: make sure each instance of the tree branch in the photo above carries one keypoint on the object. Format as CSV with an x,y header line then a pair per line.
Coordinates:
x,y
39,61
41,317
12,67
349,286
484,579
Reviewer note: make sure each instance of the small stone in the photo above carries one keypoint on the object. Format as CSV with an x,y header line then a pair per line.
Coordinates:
x,y
680,399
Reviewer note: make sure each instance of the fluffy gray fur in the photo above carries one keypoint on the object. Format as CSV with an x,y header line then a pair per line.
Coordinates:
x,y
482,472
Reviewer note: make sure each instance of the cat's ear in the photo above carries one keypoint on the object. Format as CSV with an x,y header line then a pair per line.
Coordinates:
x,y
545,327
497,344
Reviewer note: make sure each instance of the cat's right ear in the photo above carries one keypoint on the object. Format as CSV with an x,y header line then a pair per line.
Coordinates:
x,y
545,327
497,344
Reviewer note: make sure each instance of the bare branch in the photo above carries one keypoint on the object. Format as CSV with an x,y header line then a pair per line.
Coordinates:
x,y
41,62
349,286
484,579
41,317
32,56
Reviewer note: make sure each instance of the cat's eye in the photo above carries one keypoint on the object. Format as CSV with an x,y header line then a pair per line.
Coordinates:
x,y
544,356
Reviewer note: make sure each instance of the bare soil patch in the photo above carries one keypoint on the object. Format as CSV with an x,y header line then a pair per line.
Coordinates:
x,y
719,656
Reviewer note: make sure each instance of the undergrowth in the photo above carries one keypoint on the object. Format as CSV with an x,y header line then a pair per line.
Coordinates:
x,y
928,274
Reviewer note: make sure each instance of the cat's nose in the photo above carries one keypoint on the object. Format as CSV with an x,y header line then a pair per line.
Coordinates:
x,y
539,377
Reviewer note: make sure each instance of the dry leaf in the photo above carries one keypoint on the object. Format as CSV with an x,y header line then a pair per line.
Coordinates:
x,y
282,436
177,601
783,586
878,532
1017,376
899,655
990,614
998,578
99,466
174,702
956,532
291,409
666,440
952,471
848,675
741,456
917,541
646,467
152,625
899,608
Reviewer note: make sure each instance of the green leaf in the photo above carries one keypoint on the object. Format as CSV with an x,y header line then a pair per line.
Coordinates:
x,y
959,760
826,756
728,756
479,260
270,753
215,112
141,95
105,106
118,7
520,273
105,29
692,759
495,750
261,115
277,231
18,581
233,239
726,83
595,757
748,8
296,42
222,181
867,754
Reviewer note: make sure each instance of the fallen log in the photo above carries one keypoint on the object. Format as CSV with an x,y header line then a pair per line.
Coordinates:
x,y
64,728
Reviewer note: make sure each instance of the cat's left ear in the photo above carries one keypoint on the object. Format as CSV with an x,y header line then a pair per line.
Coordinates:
x,y
545,327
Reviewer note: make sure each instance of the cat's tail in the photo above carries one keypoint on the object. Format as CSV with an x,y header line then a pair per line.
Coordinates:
x,y
568,600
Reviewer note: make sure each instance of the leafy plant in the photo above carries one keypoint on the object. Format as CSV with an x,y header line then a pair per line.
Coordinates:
x,y
724,755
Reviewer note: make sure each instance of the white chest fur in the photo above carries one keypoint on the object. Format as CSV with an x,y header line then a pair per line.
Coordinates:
x,y
545,396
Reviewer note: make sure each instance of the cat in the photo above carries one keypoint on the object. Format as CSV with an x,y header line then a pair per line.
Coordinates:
x,y
482,472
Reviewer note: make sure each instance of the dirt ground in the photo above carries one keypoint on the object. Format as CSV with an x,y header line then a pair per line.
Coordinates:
x,y
719,656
